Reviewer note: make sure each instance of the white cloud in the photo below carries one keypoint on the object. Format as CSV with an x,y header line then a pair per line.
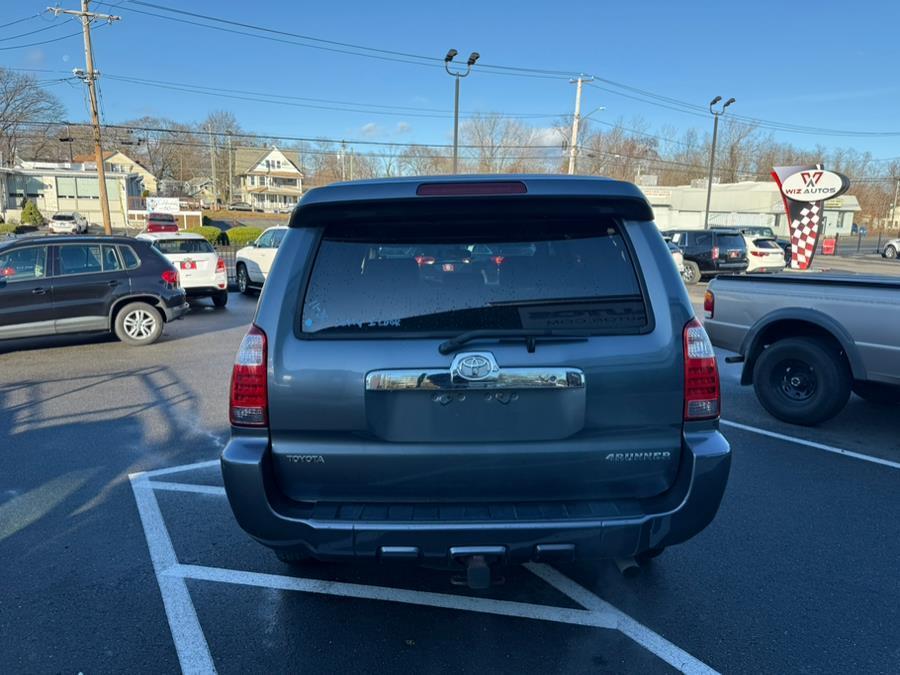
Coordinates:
x,y
548,136
370,130
404,127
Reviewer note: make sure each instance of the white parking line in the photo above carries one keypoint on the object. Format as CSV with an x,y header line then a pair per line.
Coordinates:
x,y
190,642
466,603
193,649
812,444
648,639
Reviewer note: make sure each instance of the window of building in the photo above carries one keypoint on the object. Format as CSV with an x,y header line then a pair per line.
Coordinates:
x,y
88,188
65,187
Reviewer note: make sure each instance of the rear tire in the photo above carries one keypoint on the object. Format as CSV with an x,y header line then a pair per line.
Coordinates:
x,y
138,324
802,381
878,393
691,274
243,279
220,299
890,253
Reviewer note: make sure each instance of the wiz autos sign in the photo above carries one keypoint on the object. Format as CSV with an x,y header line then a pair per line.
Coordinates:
x,y
804,190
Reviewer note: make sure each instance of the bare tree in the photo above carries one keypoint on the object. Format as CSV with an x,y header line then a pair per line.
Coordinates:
x,y
24,102
418,160
498,144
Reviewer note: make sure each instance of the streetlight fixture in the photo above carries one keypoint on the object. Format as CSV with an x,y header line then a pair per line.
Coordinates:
x,y
712,152
473,57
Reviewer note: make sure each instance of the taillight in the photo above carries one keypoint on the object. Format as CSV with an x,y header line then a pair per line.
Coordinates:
x,y
498,260
170,277
709,304
220,266
701,374
424,260
249,400
759,254
715,252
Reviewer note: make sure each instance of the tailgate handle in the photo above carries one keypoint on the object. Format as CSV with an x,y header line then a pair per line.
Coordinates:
x,y
412,379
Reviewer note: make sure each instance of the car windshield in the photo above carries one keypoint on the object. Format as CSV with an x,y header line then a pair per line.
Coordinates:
x,y
161,218
731,241
63,216
175,246
452,284
766,243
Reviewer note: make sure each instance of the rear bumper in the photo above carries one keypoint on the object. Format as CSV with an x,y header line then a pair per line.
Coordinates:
x,y
205,290
583,530
175,312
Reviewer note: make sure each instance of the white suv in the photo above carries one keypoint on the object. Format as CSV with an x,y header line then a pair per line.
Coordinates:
x,y
200,269
253,262
68,222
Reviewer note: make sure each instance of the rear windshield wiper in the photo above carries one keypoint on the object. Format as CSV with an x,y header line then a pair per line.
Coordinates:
x,y
530,336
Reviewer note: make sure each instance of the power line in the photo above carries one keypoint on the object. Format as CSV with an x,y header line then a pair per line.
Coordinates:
x,y
42,42
367,108
25,18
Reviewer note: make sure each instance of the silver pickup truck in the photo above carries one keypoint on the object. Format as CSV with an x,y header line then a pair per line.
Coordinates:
x,y
808,340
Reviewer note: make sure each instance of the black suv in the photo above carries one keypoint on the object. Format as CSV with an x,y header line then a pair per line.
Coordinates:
x,y
710,252
72,284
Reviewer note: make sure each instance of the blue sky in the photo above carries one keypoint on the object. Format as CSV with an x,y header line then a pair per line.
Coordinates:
x,y
823,64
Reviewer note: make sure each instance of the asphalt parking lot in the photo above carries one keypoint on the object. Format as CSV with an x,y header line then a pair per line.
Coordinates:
x,y
118,551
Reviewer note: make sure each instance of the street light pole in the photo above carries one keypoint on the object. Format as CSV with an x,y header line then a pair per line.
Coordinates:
x,y
712,153
473,57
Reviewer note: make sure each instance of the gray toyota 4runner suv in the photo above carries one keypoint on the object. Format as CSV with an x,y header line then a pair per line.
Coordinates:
x,y
470,372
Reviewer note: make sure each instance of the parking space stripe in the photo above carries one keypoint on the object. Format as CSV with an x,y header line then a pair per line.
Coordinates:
x,y
190,642
468,603
187,487
648,639
178,469
812,444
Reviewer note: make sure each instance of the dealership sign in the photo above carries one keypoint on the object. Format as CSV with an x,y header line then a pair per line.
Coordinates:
x,y
804,190
163,205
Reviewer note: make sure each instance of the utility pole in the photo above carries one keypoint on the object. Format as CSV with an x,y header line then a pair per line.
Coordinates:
x,y
212,164
89,78
343,167
230,171
351,163
894,205
712,153
573,142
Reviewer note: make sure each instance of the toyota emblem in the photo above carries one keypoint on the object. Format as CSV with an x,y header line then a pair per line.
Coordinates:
x,y
474,366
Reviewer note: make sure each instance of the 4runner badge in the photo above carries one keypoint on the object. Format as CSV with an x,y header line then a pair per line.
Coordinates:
x,y
638,456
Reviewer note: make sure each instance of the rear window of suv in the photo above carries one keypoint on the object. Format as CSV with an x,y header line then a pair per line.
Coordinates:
x,y
175,246
731,241
552,275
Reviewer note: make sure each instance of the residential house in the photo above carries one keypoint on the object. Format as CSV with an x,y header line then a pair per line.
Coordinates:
x,y
56,186
120,162
202,189
267,178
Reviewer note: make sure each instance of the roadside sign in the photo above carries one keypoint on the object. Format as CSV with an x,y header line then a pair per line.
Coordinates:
x,y
163,205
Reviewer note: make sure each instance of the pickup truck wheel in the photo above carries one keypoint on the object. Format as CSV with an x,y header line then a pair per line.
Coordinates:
x,y
876,392
802,381
890,252
691,274
138,324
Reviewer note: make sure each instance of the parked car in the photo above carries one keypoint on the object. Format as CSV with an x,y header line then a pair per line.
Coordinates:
x,y
201,270
253,262
68,222
708,253
891,249
239,206
77,284
161,222
569,412
807,340
764,255
755,231
677,256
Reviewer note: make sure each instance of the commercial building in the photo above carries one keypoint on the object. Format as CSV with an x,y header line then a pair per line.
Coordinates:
x,y
57,186
120,163
748,203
